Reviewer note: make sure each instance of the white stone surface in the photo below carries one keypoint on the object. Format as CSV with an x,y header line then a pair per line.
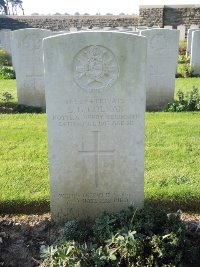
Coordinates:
x,y
181,29
141,28
162,58
195,52
73,29
194,26
28,61
95,92
168,27
189,40
129,29
5,37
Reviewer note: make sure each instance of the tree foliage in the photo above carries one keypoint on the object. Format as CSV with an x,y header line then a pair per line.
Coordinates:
x,y
10,7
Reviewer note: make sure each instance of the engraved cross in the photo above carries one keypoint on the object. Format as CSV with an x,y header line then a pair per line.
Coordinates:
x,y
96,152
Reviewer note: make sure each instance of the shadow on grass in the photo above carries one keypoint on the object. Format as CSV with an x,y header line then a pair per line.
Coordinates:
x,y
190,206
23,207
13,108
40,207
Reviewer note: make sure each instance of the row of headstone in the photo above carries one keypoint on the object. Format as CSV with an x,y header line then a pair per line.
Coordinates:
x,y
195,52
27,56
95,86
162,60
189,40
5,39
28,61
181,28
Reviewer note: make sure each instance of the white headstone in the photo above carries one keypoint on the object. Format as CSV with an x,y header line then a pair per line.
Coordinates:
x,y
97,29
195,52
28,61
141,28
73,29
133,28
162,58
168,27
5,39
189,40
112,29
181,28
95,92
194,26
128,30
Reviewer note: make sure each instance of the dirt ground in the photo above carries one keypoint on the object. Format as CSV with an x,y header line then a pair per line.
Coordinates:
x,y
22,237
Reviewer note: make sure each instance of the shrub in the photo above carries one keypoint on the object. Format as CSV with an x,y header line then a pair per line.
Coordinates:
x,y
7,97
5,58
75,231
147,237
182,48
186,102
185,71
183,59
7,73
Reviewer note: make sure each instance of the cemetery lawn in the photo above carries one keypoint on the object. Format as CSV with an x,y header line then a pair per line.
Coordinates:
x,y
186,84
172,173
10,87
24,184
183,84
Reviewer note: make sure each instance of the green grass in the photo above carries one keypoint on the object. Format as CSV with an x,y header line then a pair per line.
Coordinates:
x,y
10,87
172,173
186,84
23,162
171,166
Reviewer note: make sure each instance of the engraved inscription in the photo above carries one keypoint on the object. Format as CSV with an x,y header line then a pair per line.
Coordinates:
x,y
95,68
96,152
96,112
96,198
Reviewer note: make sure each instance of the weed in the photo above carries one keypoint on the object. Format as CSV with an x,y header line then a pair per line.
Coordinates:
x,y
182,47
5,59
7,97
186,101
153,238
7,73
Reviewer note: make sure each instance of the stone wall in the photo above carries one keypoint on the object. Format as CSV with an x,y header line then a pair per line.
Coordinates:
x,y
177,15
55,23
173,15
151,16
161,16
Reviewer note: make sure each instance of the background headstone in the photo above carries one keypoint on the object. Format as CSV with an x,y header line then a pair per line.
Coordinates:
x,y
195,52
95,108
5,37
181,28
162,58
189,40
168,27
194,26
28,62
